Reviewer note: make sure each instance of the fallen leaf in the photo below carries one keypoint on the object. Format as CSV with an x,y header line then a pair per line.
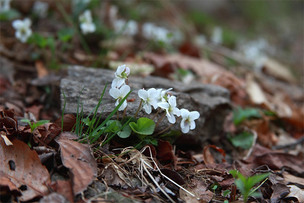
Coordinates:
x,y
114,176
35,110
278,70
47,132
23,168
78,158
208,157
165,152
200,190
41,69
207,71
255,92
296,192
291,179
69,121
279,192
54,197
64,188
276,160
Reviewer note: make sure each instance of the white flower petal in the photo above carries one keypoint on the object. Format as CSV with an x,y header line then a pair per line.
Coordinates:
x,y
119,70
163,105
123,106
124,90
127,71
171,118
154,103
114,92
118,82
176,112
147,108
17,24
194,115
27,22
185,128
143,94
117,102
172,101
184,113
192,125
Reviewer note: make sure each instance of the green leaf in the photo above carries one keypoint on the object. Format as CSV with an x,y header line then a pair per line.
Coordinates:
x,y
239,114
256,194
107,119
9,15
226,193
256,179
113,126
66,34
243,140
125,133
34,125
240,185
144,126
38,40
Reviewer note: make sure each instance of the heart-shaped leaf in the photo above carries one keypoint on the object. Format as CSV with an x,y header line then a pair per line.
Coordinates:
x,y
125,133
143,126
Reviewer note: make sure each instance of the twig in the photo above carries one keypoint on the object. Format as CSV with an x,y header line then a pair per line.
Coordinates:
x,y
291,145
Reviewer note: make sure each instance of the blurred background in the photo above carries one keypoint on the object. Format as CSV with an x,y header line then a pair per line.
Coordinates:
x,y
246,32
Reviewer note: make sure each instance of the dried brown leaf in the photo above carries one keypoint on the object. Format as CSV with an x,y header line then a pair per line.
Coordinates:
x,y
69,121
23,168
78,158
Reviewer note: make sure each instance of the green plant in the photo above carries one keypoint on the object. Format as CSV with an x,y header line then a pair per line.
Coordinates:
x,y
9,15
93,129
143,126
34,125
246,184
243,140
239,114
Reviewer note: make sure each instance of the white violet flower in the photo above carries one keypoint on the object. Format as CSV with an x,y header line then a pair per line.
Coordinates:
x,y
87,25
149,98
170,108
23,30
217,36
188,118
162,95
121,75
5,5
41,8
119,94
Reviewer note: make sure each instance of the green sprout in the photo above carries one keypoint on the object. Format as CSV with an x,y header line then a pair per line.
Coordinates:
x,y
246,184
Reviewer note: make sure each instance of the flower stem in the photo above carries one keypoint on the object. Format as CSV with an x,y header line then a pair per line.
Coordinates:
x,y
139,107
158,110
124,113
161,118
164,130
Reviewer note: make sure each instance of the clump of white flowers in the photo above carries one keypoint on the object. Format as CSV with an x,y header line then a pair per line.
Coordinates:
x,y
86,22
126,27
5,5
156,98
119,88
23,29
121,75
148,99
119,94
217,35
41,8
